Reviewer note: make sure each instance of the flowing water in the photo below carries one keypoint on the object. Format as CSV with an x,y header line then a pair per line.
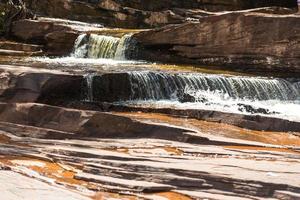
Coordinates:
x,y
149,87
101,46
159,86
89,85
249,95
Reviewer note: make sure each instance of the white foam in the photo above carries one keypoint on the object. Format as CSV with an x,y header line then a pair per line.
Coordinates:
x,y
66,61
282,109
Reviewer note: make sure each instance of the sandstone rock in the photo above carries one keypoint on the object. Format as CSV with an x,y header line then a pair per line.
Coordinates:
x,y
60,43
9,45
252,122
215,5
57,35
4,52
24,84
12,188
105,84
235,40
111,126
142,13
34,31
219,167
44,116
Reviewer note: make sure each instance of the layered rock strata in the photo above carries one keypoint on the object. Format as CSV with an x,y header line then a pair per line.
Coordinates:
x,y
142,13
238,41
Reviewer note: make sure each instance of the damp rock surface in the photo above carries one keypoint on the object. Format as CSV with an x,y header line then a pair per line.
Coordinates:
x,y
78,120
73,161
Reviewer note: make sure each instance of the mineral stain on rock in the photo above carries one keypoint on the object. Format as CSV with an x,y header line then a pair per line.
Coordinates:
x,y
193,100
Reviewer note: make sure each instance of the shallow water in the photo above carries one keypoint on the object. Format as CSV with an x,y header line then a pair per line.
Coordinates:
x,y
226,90
277,109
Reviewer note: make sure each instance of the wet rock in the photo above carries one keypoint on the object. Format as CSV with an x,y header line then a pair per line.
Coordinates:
x,y
103,125
252,110
89,124
57,35
237,40
252,122
146,165
111,87
184,97
25,84
44,116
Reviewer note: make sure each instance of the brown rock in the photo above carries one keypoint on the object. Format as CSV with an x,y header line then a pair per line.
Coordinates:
x,y
9,45
56,34
142,13
103,125
252,122
244,40
60,43
34,31
24,84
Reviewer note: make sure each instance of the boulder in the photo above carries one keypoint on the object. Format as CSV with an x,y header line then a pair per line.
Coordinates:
x,y
236,40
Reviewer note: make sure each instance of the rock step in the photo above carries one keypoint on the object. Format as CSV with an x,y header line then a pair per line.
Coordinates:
x,y
286,195
5,52
10,45
138,186
99,163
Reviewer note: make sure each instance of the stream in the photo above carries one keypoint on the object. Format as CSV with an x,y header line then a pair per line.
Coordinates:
x,y
158,85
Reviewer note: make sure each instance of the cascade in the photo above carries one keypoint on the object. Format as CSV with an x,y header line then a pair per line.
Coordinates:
x,y
89,96
160,86
101,46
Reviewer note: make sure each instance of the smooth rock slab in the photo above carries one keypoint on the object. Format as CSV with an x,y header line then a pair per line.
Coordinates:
x,y
18,187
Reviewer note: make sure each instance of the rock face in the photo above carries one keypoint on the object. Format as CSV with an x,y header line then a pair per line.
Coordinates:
x,y
237,40
141,13
23,84
215,5
57,35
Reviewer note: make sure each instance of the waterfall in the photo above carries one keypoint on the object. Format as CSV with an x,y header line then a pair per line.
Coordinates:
x,y
160,86
80,47
89,96
123,46
101,46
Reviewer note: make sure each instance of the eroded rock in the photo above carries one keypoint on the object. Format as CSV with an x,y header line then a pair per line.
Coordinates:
x,y
141,13
239,41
